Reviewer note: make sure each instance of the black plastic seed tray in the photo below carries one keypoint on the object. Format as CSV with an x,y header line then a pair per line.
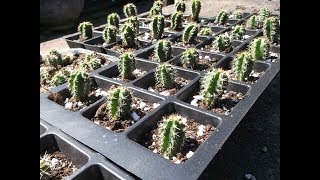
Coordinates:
x,y
122,148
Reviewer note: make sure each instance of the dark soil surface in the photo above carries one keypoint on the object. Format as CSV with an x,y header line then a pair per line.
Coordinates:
x,y
180,82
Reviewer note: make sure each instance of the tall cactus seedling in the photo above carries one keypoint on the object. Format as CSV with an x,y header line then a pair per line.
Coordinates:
x,y
114,20
238,32
252,22
206,32
213,84
163,50
135,23
195,10
130,10
126,65
54,58
157,26
263,14
90,62
79,85
181,6
190,58
85,29
271,29
259,49
222,17
119,103
223,42
242,66
165,76
190,33
172,135
109,34
176,20
237,15
127,35
156,8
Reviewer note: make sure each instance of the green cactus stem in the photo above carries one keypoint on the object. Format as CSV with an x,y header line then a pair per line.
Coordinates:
x,y
128,35
190,58
259,49
206,32
85,29
271,29
114,20
253,23
222,17
242,66
181,6
109,34
223,42
119,103
79,85
263,14
135,23
165,76
156,8
238,32
176,20
130,10
195,10
163,50
237,15
157,26
190,33
126,65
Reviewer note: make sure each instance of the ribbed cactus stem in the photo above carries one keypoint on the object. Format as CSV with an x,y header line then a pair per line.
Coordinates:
x,y
259,49
165,76
126,65
195,10
109,34
222,17
222,42
238,32
79,85
206,32
242,66
114,20
181,6
252,22
157,26
263,14
237,15
54,58
156,8
271,29
176,20
190,33
135,23
190,58
119,103
128,35
130,10
163,50
85,29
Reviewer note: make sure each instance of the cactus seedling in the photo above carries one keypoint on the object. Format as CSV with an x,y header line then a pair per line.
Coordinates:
x,y
195,10
259,49
54,58
206,32
242,66
213,85
157,26
271,29
85,29
163,50
129,10
156,8
127,35
46,73
176,20
45,166
109,34
172,135
222,42
113,20
263,14
181,6
119,103
90,62
238,33
237,14
222,17
252,22
190,33
135,23
79,85
60,78
126,65
189,58
165,76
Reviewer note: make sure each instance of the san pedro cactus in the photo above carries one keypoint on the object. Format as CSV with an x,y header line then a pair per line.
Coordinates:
x,y
222,42
113,20
60,77
126,65
190,33
163,50
271,29
157,26
263,14
135,23
165,76
206,32
238,32
259,49
213,84
119,103
85,29
181,6
127,35
130,10
222,17
45,167
237,14
91,62
253,22
190,58
176,20
156,8
109,34
242,66
195,10
172,135
54,58
79,85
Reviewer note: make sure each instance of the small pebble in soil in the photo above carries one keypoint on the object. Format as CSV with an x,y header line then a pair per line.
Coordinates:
x,y
165,93
194,102
151,89
155,151
246,36
68,105
200,57
178,161
249,176
142,105
201,130
264,149
190,153
275,55
100,92
135,116
155,105
206,57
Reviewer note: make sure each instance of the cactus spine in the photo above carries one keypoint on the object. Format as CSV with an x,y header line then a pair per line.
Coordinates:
x,y
181,6
252,22
60,77
222,17
113,20
213,85
238,33
79,85
127,35
126,65
263,14
222,42
172,135
129,10
189,58
165,76
271,29
119,103
135,23
190,33
109,34
157,25
237,14
45,167
206,32
176,20
259,49
242,66
156,8
90,62
163,50
85,29
54,58
195,10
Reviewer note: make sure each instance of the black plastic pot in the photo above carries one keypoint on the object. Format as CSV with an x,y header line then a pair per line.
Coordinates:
x,y
72,39
148,51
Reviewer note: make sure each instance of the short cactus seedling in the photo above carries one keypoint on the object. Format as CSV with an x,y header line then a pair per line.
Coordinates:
x,y
79,85
130,10
163,50
54,58
91,62
109,34
271,29
242,66
195,10
119,103
176,20
45,167
157,26
253,22
223,42
238,32
237,15
165,76
263,14
46,73
181,6
172,135
206,32
222,17
127,35
126,65
213,84
156,8
113,20
190,33
189,58
85,29
60,77
259,49
135,23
